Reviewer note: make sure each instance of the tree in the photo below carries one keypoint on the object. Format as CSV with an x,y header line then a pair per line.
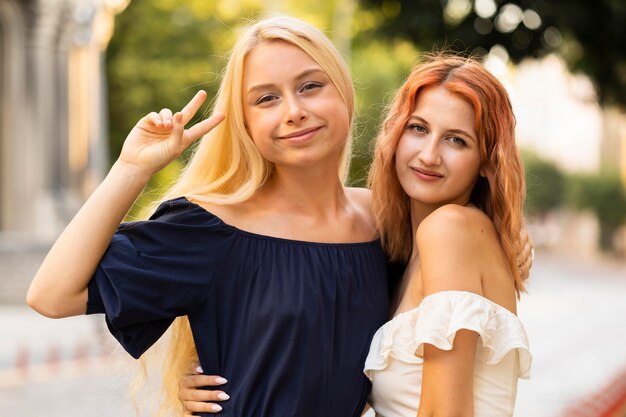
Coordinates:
x,y
545,185
604,194
587,34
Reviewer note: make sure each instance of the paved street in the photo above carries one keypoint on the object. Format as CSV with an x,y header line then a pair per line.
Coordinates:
x,y
574,316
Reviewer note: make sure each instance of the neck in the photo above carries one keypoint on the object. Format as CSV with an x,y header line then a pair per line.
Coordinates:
x,y
313,191
419,212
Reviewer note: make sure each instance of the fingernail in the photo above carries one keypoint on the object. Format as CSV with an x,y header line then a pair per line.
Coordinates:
x,y
221,380
216,407
223,396
199,370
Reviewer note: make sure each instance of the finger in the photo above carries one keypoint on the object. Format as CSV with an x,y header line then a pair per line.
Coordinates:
x,y
195,381
192,107
166,117
178,130
200,407
155,119
200,129
202,395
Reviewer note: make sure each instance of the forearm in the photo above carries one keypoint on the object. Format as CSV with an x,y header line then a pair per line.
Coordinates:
x,y
59,288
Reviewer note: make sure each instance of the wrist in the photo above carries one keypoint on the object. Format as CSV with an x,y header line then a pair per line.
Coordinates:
x,y
131,173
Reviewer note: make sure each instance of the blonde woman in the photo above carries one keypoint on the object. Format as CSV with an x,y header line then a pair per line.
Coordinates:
x,y
273,261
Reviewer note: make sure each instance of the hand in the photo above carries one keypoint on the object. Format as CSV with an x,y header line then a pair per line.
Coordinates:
x,y
159,138
196,400
525,257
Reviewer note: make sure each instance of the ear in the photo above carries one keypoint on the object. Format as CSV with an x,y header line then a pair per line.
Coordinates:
x,y
483,171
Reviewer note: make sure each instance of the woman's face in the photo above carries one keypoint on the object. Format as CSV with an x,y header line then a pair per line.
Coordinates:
x,y
437,158
293,111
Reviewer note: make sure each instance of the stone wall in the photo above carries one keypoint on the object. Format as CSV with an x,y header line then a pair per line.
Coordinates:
x,y
52,124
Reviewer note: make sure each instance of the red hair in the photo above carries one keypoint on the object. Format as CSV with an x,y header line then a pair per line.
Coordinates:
x,y
500,194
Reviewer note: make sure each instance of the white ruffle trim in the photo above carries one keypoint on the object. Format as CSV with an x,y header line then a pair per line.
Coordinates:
x,y
437,319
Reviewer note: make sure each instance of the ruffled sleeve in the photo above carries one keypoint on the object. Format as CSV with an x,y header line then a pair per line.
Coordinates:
x,y
156,270
437,319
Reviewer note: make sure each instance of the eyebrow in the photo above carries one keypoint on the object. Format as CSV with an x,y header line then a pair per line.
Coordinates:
x,y
455,131
303,74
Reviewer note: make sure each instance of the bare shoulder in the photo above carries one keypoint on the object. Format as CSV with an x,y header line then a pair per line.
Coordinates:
x,y
361,200
455,224
451,242
360,196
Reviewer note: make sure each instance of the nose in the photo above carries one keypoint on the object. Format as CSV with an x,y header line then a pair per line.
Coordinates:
x,y
295,111
429,154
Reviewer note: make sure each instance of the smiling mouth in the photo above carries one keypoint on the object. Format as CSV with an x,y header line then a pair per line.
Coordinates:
x,y
300,134
427,173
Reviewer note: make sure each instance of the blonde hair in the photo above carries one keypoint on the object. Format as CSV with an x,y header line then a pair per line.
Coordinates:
x,y
500,194
227,168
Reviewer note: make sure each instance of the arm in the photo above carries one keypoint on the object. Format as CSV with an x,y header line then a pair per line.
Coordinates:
x,y
449,243
59,288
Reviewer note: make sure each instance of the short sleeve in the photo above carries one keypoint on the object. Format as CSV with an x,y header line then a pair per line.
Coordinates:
x,y
156,270
437,320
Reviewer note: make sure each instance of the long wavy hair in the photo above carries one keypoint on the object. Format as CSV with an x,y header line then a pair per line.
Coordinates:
x,y
227,168
500,193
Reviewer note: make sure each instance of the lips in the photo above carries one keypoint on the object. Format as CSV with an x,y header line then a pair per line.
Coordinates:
x,y
300,134
426,175
426,172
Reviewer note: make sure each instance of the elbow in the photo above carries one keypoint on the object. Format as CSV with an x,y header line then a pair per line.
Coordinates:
x,y
43,304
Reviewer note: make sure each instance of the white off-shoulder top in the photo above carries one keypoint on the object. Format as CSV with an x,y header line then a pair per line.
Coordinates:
x,y
394,362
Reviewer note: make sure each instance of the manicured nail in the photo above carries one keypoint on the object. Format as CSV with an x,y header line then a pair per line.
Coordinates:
x,y
216,407
223,396
221,380
199,370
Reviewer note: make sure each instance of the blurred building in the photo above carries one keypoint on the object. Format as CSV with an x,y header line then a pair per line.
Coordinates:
x,y
52,123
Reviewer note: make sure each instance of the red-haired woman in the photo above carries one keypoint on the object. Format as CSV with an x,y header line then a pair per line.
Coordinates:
x,y
447,192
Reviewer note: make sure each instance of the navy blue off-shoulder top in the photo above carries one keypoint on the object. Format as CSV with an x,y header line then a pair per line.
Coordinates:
x,y
288,323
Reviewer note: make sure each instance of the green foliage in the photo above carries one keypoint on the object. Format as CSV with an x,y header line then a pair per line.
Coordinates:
x,y
548,188
545,185
378,69
604,194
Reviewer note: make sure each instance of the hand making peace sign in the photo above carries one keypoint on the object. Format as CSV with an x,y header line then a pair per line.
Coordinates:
x,y
159,138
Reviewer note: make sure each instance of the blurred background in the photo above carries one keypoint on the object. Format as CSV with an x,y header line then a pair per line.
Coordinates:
x,y
76,75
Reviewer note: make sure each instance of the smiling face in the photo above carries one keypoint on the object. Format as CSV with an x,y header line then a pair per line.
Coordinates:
x,y
294,113
437,159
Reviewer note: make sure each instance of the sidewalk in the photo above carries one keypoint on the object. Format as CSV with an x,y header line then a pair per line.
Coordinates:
x,y
574,315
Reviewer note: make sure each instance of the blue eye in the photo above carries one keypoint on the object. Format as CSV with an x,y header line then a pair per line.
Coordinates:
x,y
457,140
417,127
